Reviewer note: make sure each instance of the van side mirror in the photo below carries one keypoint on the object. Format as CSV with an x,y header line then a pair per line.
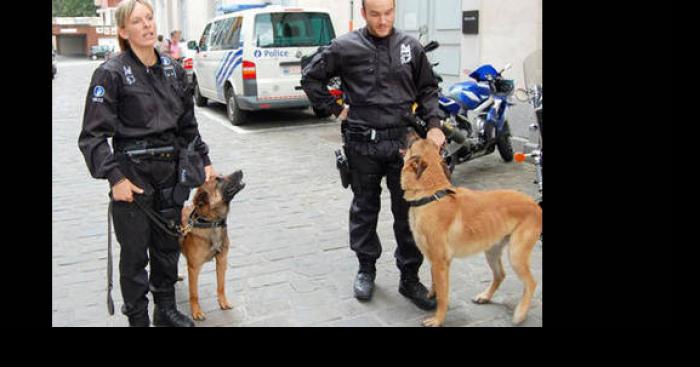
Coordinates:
x,y
192,45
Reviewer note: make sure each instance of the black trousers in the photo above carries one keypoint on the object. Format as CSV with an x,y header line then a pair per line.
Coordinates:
x,y
142,242
369,162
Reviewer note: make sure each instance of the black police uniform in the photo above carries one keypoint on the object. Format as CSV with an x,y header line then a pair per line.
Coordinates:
x,y
142,107
381,79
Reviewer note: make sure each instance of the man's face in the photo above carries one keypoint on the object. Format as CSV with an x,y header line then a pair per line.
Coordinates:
x,y
379,15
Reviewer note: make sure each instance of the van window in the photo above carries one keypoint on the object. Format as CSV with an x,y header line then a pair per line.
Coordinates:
x,y
231,34
217,33
204,40
293,29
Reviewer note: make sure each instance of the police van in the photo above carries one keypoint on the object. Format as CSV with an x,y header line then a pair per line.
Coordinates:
x,y
250,59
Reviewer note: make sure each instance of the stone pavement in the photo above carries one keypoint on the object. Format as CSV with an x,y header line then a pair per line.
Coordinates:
x,y
289,263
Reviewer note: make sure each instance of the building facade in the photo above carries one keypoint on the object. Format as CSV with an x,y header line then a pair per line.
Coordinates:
x,y
475,32
73,36
470,32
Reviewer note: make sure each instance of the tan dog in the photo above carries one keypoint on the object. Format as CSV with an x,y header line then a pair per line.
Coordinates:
x,y
466,222
208,239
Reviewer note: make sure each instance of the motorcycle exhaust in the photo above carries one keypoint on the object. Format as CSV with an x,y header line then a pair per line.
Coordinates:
x,y
451,133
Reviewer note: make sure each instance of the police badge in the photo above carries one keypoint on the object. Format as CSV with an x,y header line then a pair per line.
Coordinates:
x,y
405,54
130,78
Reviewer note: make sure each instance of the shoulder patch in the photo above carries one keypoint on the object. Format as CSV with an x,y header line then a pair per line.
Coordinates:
x,y
405,53
99,91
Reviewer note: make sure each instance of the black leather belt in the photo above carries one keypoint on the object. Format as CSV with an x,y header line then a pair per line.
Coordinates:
x,y
164,153
374,135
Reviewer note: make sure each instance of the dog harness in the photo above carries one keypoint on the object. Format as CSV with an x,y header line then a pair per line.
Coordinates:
x,y
437,196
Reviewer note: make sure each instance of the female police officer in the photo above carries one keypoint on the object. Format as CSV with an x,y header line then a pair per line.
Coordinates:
x,y
141,99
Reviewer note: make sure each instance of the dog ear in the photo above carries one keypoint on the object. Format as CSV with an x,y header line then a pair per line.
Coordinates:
x,y
418,165
201,199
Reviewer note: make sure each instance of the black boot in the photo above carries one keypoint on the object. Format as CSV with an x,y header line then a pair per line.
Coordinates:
x,y
414,290
168,315
138,316
364,285
139,321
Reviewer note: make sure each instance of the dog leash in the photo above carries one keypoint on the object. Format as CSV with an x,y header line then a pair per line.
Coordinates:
x,y
169,227
110,302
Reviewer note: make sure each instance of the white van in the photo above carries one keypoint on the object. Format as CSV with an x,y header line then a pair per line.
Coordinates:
x,y
251,59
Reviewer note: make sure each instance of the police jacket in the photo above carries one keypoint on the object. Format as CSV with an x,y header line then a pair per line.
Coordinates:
x,y
381,78
128,102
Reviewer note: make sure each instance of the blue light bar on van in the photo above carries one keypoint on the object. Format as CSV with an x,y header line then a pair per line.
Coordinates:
x,y
226,9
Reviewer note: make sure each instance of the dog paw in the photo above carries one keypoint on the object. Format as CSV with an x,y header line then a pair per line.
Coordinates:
x,y
432,322
481,299
519,316
225,305
198,315
517,320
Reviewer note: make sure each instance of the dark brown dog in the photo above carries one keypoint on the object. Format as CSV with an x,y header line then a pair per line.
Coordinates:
x,y
465,222
207,237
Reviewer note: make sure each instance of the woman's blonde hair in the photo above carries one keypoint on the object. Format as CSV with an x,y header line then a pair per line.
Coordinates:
x,y
122,14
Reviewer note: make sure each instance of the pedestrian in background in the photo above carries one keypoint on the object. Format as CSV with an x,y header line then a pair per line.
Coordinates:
x,y
159,43
171,46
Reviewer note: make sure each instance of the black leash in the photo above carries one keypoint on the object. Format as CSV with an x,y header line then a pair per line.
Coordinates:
x,y
110,302
167,226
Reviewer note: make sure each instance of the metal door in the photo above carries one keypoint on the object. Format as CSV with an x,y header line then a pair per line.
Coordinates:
x,y
435,20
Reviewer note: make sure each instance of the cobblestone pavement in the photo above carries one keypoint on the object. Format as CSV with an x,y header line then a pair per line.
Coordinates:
x,y
290,263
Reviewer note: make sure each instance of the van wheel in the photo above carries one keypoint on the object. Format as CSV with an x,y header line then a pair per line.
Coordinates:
x,y
198,99
235,114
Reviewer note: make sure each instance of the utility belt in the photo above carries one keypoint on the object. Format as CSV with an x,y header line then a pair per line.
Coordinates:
x,y
366,134
145,149
168,153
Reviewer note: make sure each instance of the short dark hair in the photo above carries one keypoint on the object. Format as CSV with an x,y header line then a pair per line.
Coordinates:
x,y
363,4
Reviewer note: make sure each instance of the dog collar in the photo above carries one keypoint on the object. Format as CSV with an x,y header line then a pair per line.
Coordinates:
x,y
203,223
437,196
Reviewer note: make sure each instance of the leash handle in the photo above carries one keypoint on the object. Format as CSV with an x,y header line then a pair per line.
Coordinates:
x,y
110,301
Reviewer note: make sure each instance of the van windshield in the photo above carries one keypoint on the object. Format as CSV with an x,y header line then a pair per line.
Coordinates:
x,y
293,29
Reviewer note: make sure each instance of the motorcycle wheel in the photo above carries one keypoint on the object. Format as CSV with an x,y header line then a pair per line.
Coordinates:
x,y
503,143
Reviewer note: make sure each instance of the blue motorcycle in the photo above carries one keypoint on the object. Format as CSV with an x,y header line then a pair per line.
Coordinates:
x,y
476,111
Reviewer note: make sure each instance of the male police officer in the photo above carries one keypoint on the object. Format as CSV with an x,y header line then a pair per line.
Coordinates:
x,y
383,72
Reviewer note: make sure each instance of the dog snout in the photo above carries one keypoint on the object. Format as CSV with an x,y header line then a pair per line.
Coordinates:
x,y
236,176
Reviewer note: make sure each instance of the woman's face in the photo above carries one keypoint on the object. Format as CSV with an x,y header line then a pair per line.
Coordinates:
x,y
140,28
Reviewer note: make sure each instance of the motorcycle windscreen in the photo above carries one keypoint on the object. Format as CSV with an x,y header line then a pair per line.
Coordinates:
x,y
532,69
